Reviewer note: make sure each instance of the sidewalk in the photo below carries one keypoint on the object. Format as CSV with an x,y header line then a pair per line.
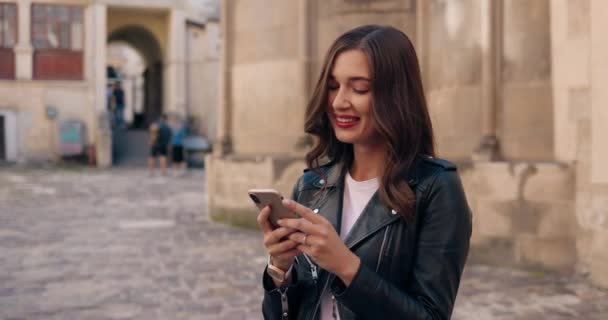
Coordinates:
x,y
116,244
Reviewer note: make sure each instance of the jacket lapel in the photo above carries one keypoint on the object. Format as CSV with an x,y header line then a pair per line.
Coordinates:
x,y
374,217
331,207
328,200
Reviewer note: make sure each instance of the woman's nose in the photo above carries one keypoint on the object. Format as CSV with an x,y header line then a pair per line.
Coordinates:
x,y
340,100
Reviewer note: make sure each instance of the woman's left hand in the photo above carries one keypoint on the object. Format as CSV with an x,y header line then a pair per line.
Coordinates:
x,y
320,241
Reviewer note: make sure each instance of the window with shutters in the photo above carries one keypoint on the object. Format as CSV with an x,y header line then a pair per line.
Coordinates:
x,y
8,39
58,41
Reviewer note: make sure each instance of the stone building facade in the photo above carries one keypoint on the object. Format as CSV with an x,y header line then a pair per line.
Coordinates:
x,y
517,91
53,68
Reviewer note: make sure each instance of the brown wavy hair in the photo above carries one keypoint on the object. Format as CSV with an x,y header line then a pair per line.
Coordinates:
x,y
399,110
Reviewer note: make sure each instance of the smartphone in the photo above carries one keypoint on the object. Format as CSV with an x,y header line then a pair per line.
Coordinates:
x,y
272,198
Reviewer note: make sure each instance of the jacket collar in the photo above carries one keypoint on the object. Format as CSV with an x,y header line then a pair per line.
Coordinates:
x,y
375,215
335,176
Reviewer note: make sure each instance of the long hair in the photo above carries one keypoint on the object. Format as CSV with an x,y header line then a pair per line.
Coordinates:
x,y
399,110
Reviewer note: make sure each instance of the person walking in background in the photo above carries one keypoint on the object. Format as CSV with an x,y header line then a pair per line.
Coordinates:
x,y
177,147
119,104
160,136
110,97
152,137
110,104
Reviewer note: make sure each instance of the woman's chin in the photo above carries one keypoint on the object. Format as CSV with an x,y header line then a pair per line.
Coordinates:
x,y
345,138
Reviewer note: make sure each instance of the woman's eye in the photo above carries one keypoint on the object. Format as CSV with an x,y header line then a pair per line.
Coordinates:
x,y
361,91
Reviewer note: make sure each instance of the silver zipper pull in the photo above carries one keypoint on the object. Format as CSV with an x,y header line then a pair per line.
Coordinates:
x,y
313,271
284,304
334,309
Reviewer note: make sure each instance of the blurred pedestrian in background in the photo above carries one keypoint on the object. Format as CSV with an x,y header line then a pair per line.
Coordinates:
x,y
160,137
177,146
119,104
110,97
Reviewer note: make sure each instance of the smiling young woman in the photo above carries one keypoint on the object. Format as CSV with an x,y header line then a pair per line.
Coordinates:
x,y
385,226
349,104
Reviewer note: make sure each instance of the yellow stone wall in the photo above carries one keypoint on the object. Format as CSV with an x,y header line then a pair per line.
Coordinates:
x,y
453,76
85,100
579,54
38,135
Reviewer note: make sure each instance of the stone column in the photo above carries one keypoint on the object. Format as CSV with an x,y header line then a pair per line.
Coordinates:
x,y
599,92
223,143
599,132
95,68
24,50
570,74
491,44
305,64
422,14
304,48
175,70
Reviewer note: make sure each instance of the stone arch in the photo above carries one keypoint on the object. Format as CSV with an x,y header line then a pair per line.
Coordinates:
x,y
149,47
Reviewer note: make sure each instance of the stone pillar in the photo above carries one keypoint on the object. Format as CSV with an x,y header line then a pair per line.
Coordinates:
x,y
570,27
304,48
175,70
599,132
95,66
24,50
491,50
223,144
422,14
304,56
599,95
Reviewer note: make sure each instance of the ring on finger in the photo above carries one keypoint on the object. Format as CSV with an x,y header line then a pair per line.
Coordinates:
x,y
304,239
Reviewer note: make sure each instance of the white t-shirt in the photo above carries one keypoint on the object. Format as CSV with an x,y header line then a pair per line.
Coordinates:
x,y
356,196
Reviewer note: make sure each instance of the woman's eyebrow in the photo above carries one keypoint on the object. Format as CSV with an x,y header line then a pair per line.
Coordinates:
x,y
351,79
359,79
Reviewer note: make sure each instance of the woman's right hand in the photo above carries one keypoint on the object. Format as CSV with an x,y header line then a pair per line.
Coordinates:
x,y
279,247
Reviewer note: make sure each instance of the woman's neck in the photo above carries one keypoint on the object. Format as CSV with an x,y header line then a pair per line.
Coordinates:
x,y
367,162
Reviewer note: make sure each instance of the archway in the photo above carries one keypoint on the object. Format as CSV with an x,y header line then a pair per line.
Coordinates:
x,y
148,47
126,65
142,73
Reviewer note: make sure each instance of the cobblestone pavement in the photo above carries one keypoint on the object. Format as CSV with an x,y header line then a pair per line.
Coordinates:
x,y
116,244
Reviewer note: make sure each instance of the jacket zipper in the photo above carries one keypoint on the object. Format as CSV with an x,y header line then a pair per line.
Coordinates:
x,y
313,269
320,296
382,247
337,306
330,276
283,289
284,303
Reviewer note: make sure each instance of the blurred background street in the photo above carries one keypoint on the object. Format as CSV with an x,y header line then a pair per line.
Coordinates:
x,y
91,244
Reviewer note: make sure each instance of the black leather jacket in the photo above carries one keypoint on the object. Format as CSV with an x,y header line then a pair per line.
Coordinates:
x,y
408,270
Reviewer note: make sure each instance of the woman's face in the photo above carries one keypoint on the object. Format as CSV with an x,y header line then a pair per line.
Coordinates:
x,y
350,99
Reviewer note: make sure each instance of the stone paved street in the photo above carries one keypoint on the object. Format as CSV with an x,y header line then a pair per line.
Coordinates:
x,y
90,244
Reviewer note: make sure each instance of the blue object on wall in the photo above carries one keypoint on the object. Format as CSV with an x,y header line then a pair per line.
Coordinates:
x,y
72,138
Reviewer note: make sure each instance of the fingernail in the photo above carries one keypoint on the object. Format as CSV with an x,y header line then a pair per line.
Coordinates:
x,y
280,222
286,202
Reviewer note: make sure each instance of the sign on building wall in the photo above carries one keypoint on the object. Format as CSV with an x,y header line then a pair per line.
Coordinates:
x,y
71,138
